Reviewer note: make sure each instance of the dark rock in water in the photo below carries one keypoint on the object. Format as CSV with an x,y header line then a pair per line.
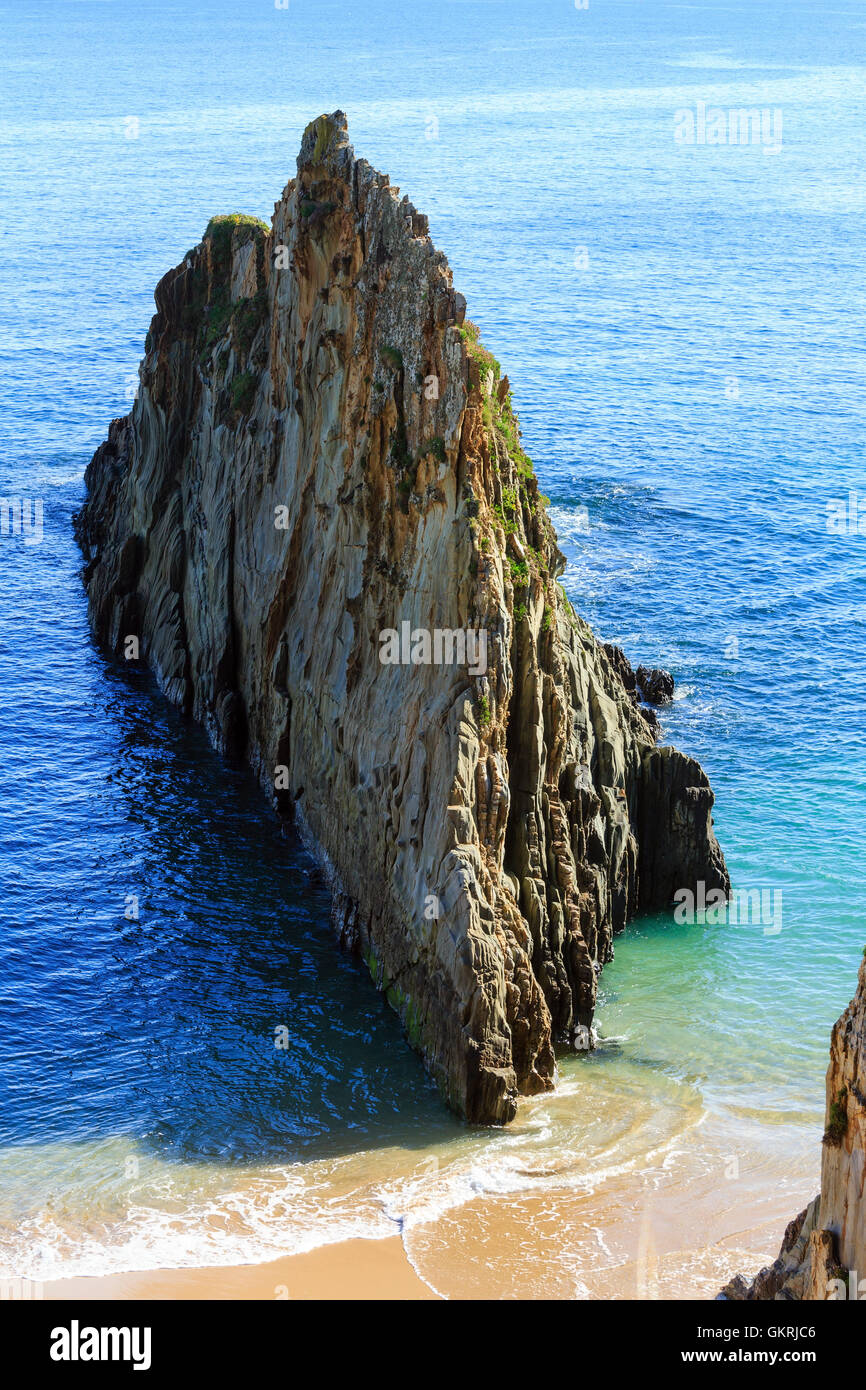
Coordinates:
x,y
623,667
317,502
656,685
675,808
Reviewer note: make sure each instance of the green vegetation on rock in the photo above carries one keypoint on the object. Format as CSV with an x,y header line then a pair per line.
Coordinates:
x,y
393,357
478,353
519,573
219,232
838,1121
243,392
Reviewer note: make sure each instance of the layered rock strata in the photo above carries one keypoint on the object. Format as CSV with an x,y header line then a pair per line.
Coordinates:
x,y
319,498
823,1254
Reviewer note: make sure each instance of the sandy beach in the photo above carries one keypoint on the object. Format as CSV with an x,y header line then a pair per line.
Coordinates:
x,y
356,1269
565,1248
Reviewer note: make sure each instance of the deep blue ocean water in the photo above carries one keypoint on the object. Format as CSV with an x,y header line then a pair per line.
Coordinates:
x,y
683,329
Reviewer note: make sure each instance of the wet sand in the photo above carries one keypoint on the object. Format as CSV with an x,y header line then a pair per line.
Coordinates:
x,y
560,1247
355,1269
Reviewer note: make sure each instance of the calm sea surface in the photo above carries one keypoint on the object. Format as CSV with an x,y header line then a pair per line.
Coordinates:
x,y
684,328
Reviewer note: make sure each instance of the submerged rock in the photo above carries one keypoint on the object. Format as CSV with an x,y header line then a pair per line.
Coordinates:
x,y
320,529
823,1254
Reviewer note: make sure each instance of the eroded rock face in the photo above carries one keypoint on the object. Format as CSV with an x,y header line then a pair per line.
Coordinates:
x,y
823,1253
321,451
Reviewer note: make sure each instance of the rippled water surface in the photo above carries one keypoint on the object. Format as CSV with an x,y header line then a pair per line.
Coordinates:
x,y
683,327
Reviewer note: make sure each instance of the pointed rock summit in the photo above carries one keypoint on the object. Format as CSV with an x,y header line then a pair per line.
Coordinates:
x,y
320,527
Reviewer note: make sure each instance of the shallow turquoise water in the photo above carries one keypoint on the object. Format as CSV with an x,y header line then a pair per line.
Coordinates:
x,y
623,280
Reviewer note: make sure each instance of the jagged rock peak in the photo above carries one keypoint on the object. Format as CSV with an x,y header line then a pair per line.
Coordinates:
x,y
325,145
319,527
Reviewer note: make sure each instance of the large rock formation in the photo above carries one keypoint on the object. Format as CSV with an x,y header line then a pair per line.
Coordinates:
x,y
322,452
823,1254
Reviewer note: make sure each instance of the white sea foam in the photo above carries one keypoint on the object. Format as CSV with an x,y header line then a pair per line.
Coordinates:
x,y
168,1223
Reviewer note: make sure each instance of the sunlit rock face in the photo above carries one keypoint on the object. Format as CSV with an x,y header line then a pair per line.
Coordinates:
x,y
318,527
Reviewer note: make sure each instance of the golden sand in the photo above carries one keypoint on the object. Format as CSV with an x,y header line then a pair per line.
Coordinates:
x,y
528,1248
355,1269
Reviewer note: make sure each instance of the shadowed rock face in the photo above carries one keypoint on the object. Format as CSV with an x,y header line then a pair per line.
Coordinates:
x,y
823,1254
321,451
